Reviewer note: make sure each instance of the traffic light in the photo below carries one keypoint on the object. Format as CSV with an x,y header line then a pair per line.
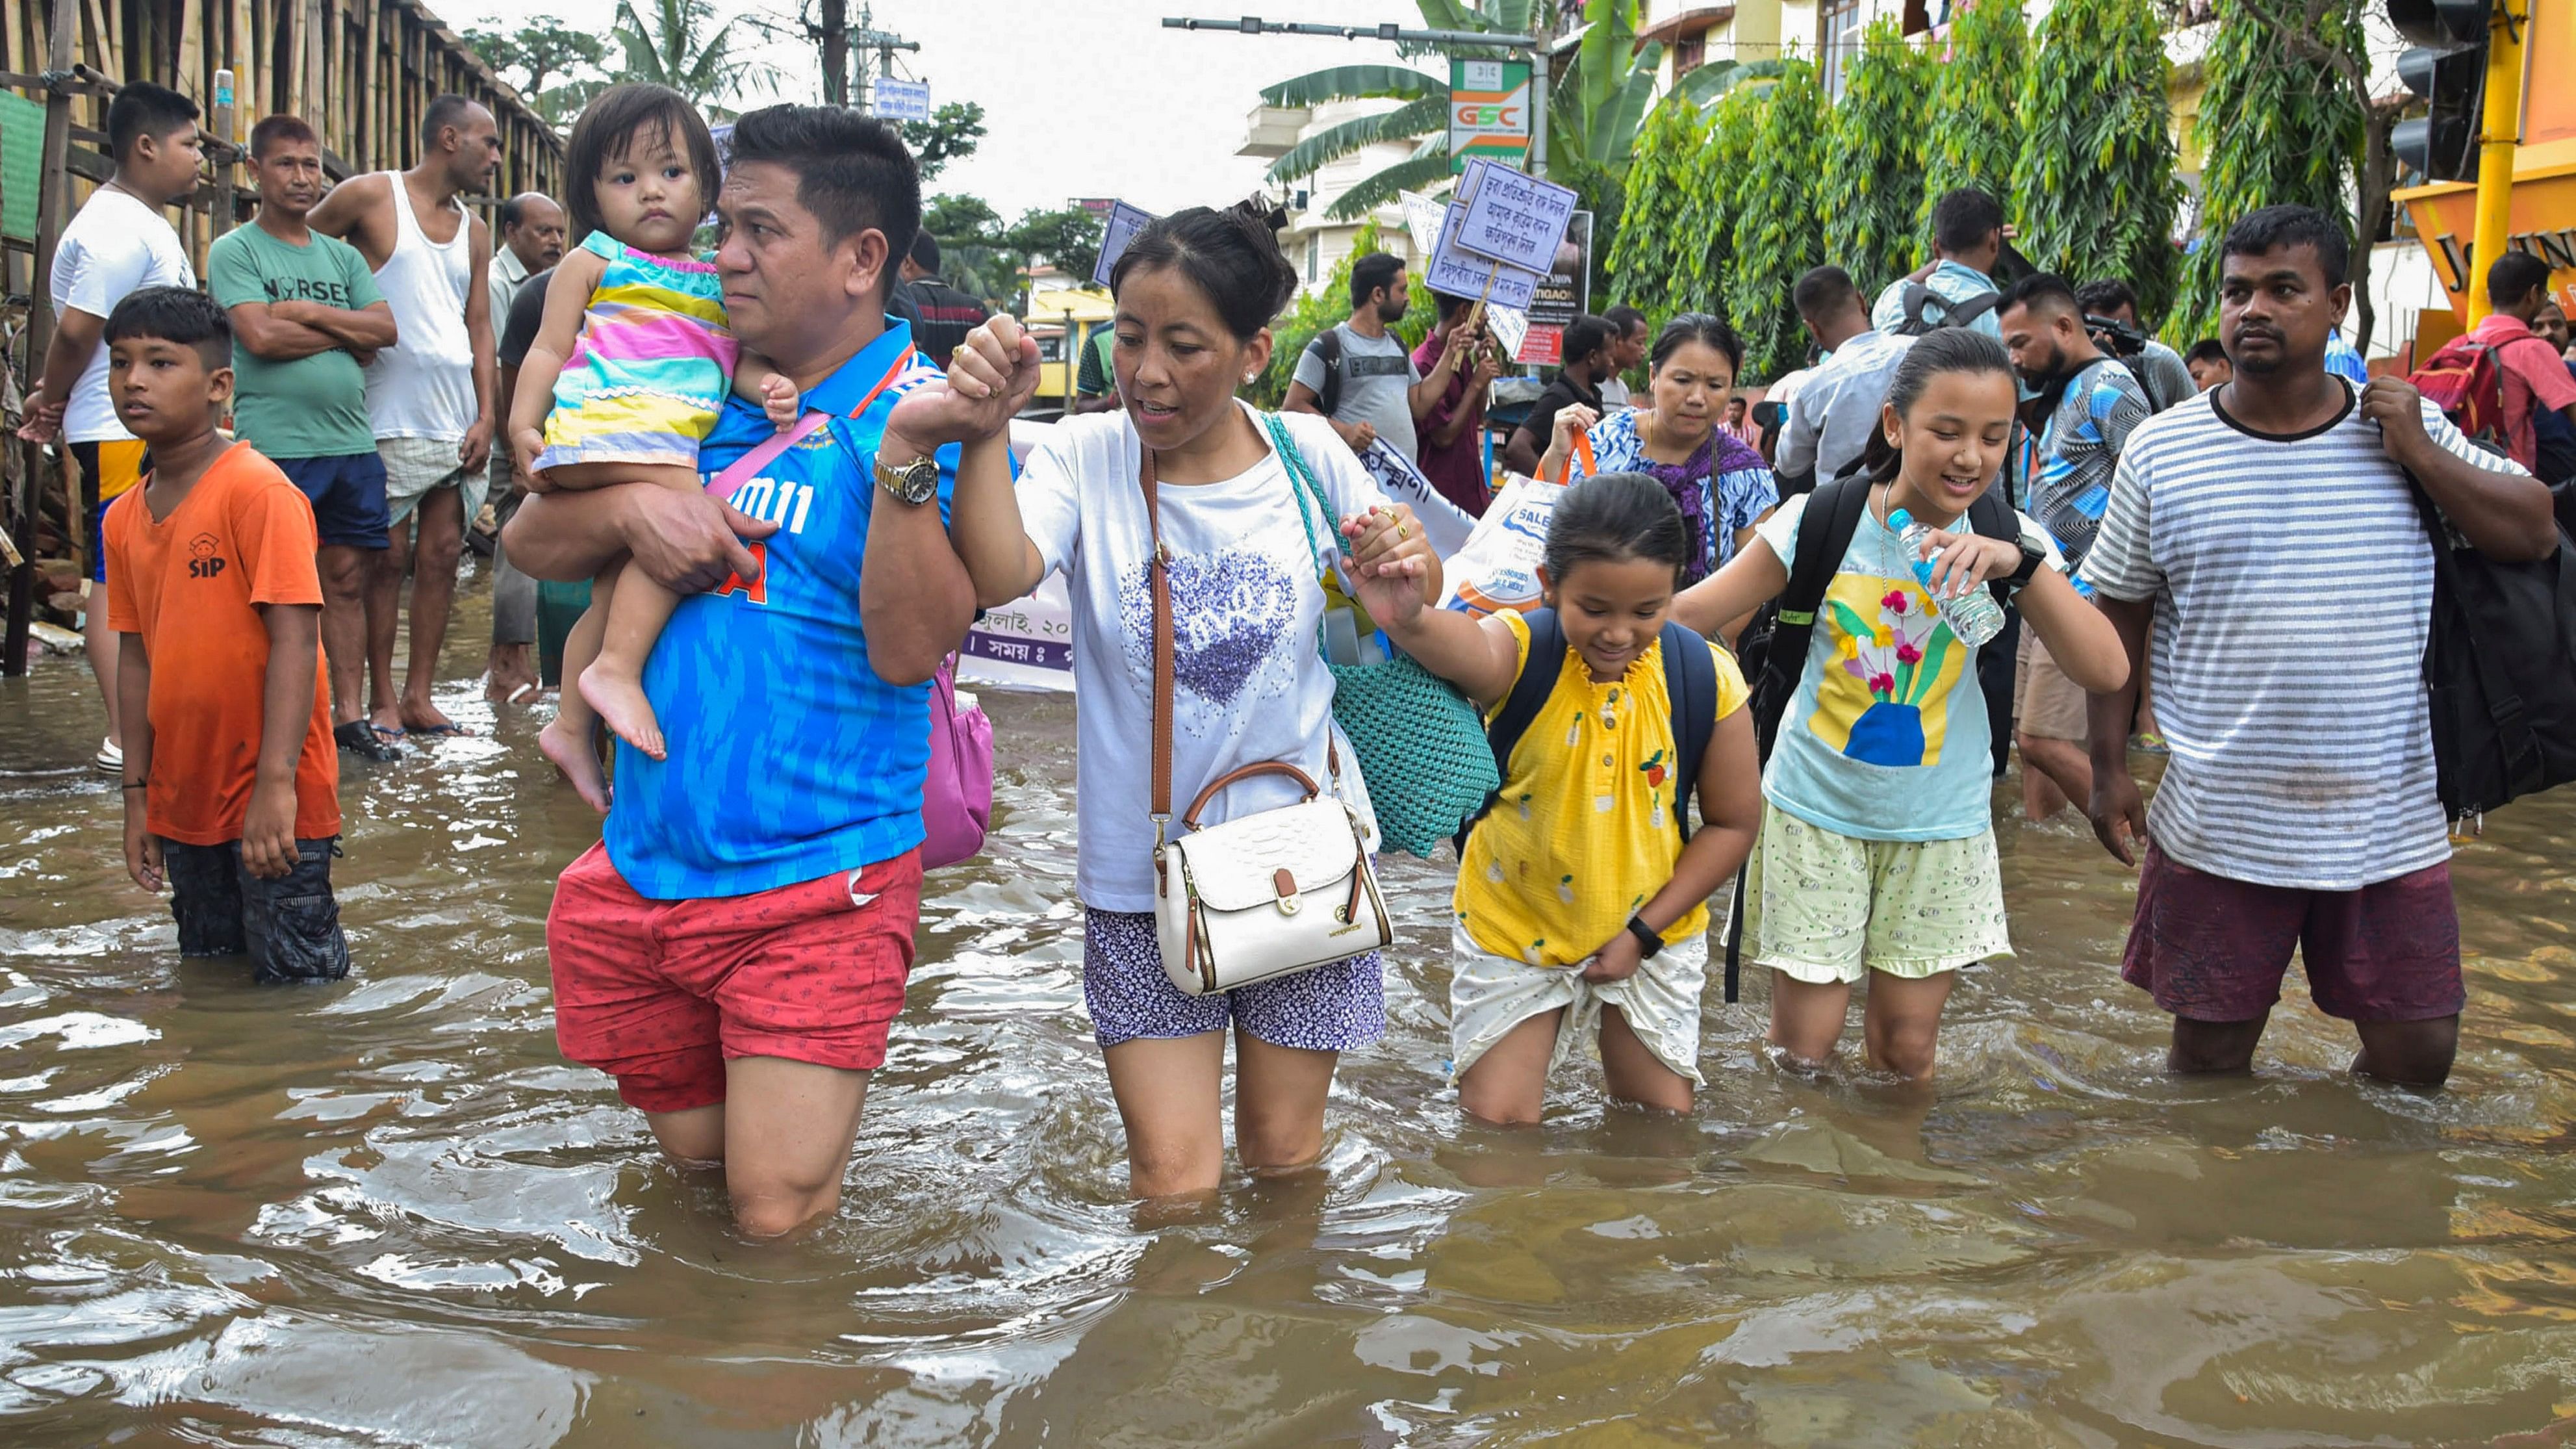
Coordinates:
x,y
2447,68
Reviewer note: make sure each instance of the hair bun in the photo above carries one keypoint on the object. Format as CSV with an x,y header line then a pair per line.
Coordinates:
x,y
1262,212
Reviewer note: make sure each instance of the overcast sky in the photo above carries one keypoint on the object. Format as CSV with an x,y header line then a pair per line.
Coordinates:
x,y
1080,97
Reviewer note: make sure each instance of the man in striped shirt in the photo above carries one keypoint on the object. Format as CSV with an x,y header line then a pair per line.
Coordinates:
x,y
2268,529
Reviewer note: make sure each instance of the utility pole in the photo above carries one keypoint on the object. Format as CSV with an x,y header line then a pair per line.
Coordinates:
x,y
833,33
1535,45
884,43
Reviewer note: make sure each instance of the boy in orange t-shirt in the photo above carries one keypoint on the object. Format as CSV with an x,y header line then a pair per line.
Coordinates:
x,y
232,784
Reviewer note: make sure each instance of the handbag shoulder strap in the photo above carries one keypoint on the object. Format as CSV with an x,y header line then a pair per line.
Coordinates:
x,y
1159,580
1302,482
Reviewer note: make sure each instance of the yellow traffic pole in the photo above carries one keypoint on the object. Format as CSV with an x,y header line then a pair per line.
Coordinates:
x,y
2498,131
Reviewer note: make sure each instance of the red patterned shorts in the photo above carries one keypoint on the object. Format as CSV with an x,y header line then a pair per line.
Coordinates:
x,y
661,994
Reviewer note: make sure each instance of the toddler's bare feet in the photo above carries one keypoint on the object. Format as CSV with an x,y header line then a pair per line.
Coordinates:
x,y
569,746
619,698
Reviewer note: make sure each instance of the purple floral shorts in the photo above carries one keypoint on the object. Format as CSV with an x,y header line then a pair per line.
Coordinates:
x,y
1329,1009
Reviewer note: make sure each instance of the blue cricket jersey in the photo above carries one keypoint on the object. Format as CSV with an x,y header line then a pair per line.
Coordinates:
x,y
789,758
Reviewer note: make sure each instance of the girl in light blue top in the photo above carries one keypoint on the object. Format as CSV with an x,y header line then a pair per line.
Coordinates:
x,y
1877,856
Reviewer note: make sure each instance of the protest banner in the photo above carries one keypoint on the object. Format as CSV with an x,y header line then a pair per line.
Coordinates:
x,y
1422,217
1027,644
1461,273
1123,224
1515,218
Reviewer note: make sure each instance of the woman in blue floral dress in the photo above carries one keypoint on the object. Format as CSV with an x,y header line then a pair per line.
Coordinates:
x,y
1720,482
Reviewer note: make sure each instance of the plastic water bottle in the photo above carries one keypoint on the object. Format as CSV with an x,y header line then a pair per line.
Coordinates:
x,y
1974,615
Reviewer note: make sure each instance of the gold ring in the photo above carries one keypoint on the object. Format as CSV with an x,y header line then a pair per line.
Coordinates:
x,y
1399,533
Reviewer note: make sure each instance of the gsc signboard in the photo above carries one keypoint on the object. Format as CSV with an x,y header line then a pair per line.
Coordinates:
x,y
1489,112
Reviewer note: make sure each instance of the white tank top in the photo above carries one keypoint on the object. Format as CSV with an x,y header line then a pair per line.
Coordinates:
x,y
423,386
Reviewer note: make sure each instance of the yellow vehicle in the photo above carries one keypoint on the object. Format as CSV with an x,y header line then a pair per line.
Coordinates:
x,y
1063,321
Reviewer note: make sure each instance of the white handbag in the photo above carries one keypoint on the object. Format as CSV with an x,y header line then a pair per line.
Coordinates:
x,y
1264,895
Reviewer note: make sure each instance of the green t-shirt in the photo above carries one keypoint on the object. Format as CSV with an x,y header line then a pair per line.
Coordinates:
x,y
313,407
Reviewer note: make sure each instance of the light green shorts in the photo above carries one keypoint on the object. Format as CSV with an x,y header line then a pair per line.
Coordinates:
x,y
1824,907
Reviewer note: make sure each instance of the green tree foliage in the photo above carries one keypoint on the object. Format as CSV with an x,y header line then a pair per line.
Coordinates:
x,y
2096,177
556,68
1719,187
1777,224
686,45
1068,237
1654,262
951,134
1974,137
1873,168
2277,124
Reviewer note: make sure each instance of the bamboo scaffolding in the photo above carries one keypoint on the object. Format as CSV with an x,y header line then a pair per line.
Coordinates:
x,y
361,72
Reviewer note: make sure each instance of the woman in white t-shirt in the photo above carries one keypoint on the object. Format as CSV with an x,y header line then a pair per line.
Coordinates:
x,y
1196,292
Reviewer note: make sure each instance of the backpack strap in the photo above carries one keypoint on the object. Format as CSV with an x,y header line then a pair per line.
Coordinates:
x,y
1520,709
1965,314
1530,691
1917,296
1824,534
1328,346
1690,682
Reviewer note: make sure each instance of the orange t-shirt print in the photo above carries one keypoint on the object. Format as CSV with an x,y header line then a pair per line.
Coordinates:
x,y
190,585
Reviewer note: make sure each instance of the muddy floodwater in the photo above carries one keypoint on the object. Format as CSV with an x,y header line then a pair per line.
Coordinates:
x,y
387,1213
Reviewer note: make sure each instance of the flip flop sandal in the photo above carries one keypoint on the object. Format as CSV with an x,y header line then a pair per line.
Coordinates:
x,y
361,739
520,693
450,730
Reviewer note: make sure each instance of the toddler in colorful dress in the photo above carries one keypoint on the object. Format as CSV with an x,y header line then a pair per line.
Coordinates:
x,y
628,373
1582,896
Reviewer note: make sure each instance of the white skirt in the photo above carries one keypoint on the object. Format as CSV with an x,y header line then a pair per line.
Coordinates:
x,y
1490,994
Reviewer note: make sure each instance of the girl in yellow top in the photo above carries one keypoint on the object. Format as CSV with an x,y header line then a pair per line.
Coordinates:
x,y
1576,898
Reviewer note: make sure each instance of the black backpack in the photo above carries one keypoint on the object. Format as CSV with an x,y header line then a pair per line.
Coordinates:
x,y
1773,647
1328,346
1690,677
1953,314
2499,672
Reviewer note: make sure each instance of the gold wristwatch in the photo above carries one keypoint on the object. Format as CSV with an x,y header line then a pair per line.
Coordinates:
x,y
915,483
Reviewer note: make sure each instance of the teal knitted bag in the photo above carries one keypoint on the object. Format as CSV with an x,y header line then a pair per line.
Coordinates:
x,y
1421,744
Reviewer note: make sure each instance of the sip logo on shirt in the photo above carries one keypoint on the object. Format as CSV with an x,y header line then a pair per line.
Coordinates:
x,y
203,561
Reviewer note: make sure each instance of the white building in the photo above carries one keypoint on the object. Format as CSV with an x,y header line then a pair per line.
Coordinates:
x,y
1314,241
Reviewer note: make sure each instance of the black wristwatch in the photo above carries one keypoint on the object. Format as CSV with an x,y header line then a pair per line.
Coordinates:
x,y
2033,559
1649,940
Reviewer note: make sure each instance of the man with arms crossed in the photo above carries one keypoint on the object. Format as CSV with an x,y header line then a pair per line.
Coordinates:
x,y
2268,528
735,949
431,395
306,319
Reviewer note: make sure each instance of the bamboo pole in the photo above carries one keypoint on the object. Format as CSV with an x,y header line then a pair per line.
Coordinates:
x,y
192,58
370,126
103,40
51,201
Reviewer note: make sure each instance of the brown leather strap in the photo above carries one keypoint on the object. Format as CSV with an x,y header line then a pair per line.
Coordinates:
x,y
1160,580
1191,820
